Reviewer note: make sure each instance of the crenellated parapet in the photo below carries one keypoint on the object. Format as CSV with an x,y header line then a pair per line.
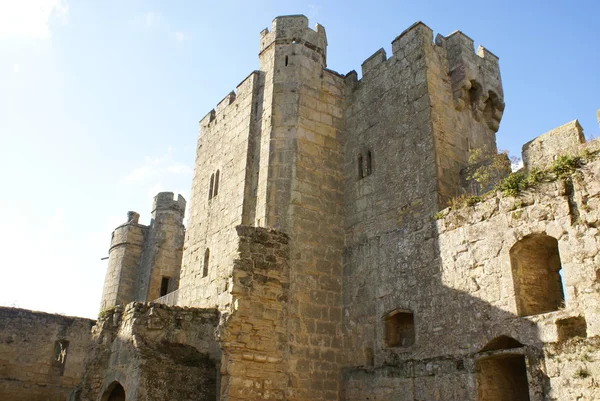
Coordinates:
x,y
293,29
475,77
165,201
224,107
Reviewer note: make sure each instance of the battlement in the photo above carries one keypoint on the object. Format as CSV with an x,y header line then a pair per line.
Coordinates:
x,y
165,201
242,89
294,29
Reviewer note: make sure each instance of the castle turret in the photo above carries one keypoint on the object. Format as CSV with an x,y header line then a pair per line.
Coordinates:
x,y
126,245
161,262
144,261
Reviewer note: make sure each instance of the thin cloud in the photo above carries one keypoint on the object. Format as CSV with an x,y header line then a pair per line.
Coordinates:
x,y
151,18
180,36
154,21
156,169
31,18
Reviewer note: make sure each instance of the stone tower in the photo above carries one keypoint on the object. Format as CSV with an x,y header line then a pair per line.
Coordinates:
x,y
144,261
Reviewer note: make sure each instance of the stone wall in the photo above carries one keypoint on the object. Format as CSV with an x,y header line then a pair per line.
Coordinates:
x,y
255,333
406,117
226,144
41,355
304,197
152,352
541,151
573,367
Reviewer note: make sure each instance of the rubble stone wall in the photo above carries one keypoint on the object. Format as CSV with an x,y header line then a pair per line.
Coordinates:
x,y
41,355
155,352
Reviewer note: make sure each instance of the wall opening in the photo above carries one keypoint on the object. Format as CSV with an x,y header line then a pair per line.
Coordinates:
x,y
536,266
114,392
164,286
210,187
205,265
286,61
399,329
59,359
216,190
360,167
571,327
474,95
502,377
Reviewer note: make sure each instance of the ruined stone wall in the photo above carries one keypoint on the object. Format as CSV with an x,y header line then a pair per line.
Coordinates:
x,y
154,352
32,367
255,333
225,144
568,139
465,303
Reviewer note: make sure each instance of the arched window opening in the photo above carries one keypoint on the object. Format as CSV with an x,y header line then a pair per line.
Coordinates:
x,y
369,163
210,188
500,343
114,392
216,191
360,167
205,265
502,377
536,266
399,328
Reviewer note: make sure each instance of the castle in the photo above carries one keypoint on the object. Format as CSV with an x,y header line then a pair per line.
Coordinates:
x,y
319,261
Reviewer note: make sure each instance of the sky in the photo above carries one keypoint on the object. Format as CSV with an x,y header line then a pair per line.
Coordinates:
x,y
100,103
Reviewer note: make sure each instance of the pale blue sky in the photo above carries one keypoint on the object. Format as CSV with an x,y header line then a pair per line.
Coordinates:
x,y
100,102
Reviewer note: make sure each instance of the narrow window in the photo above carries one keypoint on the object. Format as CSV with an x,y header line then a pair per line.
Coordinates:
x,y
369,163
60,356
164,286
399,328
216,191
205,266
286,61
360,167
210,188
535,263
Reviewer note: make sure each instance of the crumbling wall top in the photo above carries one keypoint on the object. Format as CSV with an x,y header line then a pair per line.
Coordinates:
x,y
541,151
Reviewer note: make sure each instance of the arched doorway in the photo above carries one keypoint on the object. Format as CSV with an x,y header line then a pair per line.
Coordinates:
x,y
114,392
